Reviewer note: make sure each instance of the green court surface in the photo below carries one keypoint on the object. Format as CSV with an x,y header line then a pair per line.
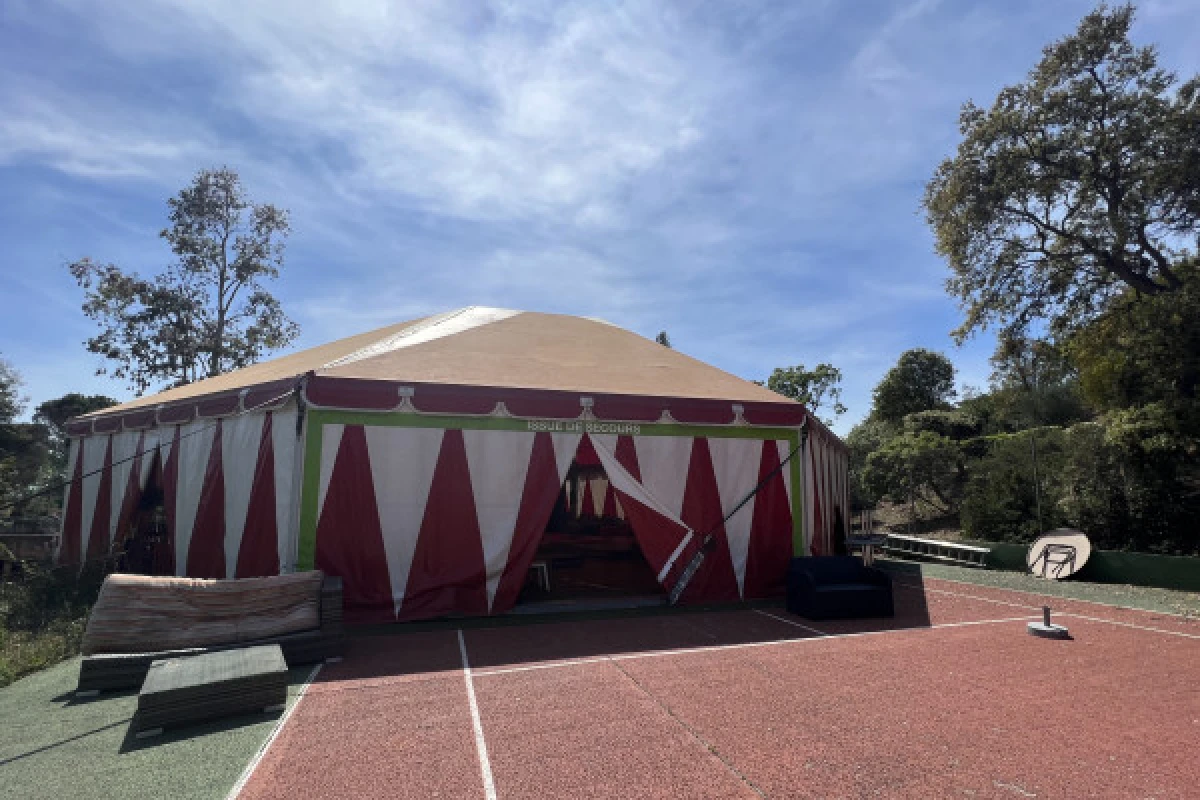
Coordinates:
x,y
53,746
1170,601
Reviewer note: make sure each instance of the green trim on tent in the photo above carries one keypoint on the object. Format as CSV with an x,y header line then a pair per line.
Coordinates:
x,y
317,419
310,486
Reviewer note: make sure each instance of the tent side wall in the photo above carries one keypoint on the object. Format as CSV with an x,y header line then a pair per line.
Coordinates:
x,y
229,487
425,514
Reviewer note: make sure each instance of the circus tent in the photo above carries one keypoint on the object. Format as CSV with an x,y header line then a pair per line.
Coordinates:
x,y
421,462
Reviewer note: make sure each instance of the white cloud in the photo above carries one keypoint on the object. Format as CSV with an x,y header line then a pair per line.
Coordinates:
x,y
42,124
746,176
492,114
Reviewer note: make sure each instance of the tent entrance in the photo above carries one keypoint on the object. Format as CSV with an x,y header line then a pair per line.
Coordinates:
x,y
588,557
144,546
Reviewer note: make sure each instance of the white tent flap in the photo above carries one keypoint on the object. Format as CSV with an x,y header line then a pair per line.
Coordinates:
x,y
494,459
241,438
93,469
402,465
287,470
331,441
124,450
735,465
195,447
663,461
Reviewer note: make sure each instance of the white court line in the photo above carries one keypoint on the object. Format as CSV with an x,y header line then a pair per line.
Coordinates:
x,y
1058,597
682,651
790,622
485,766
262,751
918,588
566,662
1129,625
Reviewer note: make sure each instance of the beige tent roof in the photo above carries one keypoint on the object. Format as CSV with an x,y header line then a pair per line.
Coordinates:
x,y
481,346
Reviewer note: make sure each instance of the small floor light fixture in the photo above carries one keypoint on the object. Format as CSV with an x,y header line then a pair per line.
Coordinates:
x,y
1046,629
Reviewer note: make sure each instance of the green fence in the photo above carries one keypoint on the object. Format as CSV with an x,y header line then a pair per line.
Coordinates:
x,y
1112,566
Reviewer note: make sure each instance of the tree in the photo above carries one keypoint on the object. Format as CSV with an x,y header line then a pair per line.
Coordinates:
x,y
921,381
865,438
55,413
206,313
1034,383
663,339
814,388
11,402
922,467
1077,184
1144,351
22,445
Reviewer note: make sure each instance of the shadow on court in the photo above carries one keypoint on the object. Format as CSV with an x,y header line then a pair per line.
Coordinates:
x,y
416,651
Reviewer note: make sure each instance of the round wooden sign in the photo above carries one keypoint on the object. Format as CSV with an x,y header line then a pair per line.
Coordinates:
x,y
1058,554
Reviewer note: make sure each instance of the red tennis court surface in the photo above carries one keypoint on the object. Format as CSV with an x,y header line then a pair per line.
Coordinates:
x,y
953,698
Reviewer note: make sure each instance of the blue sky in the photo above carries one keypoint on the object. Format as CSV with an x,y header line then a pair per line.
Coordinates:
x,y
743,175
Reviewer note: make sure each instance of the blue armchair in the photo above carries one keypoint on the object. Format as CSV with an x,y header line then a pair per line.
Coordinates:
x,y
838,587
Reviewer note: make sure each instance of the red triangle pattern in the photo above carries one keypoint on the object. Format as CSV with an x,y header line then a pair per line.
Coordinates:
x,y
98,542
206,550
133,488
715,580
258,552
448,573
770,548
349,537
585,454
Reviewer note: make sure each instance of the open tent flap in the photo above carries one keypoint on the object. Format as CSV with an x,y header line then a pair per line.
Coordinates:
x,y
662,535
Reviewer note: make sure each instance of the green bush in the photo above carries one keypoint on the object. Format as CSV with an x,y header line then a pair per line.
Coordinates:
x,y
1128,481
1000,502
954,425
923,467
43,613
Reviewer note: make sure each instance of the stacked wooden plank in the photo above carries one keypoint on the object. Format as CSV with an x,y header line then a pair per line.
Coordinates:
x,y
190,689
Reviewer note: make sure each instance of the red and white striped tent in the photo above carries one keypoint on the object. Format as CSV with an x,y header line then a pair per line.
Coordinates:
x,y
422,461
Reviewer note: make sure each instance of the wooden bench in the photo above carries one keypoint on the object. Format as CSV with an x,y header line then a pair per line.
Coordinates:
x,y
950,552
